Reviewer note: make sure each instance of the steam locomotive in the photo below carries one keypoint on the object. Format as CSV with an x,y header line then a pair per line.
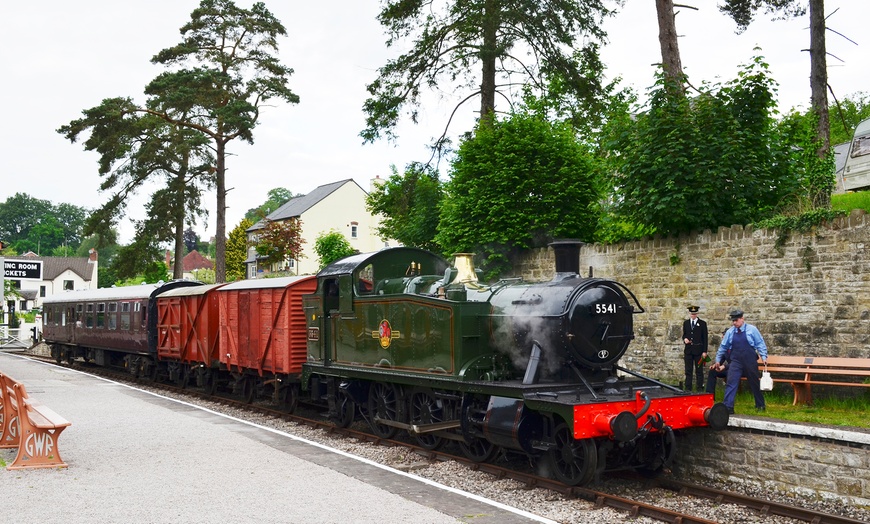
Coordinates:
x,y
405,341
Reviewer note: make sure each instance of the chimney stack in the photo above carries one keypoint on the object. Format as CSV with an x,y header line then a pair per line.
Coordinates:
x,y
567,254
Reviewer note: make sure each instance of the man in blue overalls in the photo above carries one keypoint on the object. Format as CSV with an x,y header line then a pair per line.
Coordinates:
x,y
746,346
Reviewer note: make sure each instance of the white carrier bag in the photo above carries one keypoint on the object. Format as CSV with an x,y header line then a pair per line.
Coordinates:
x,y
766,379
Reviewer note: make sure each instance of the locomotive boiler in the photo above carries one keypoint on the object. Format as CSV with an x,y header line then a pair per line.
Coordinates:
x,y
411,343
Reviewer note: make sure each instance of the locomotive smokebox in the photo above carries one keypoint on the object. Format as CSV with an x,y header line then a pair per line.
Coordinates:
x,y
567,254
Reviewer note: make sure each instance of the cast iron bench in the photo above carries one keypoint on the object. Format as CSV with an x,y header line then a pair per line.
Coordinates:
x,y
35,433
803,372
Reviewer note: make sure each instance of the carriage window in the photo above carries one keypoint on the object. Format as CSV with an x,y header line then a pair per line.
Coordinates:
x,y
125,316
113,315
101,315
89,315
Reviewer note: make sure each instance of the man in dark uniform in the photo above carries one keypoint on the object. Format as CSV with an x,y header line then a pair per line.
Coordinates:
x,y
746,346
695,339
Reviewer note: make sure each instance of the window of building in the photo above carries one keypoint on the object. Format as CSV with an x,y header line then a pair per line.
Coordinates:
x,y
16,284
42,291
253,271
354,229
22,305
68,285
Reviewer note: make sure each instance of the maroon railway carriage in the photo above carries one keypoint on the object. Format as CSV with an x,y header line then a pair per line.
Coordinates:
x,y
262,340
109,326
188,324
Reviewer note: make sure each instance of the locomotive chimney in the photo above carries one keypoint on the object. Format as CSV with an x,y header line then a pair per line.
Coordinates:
x,y
567,254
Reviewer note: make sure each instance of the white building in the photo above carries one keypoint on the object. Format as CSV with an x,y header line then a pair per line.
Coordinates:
x,y
339,206
59,274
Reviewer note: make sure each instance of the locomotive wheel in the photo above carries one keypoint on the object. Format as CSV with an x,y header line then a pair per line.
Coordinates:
x,y
346,410
426,409
478,449
573,461
383,404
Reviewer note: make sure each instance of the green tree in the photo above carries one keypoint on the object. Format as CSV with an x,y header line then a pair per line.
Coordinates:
x,y
331,246
237,251
410,205
477,42
225,72
743,11
695,163
191,239
135,149
846,114
279,240
518,184
32,224
276,198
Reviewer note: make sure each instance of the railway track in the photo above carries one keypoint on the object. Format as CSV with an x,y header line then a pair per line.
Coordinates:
x,y
699,495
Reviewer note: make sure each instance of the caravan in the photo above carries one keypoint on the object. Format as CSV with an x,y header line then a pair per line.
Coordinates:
x,y
856,172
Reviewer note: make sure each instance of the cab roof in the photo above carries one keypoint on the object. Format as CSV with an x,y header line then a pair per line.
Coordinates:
x,y
388,263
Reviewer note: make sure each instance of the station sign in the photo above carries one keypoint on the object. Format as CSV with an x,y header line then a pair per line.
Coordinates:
x,y
22,269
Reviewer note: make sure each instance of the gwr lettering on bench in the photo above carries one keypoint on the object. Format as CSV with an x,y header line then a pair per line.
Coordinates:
x,y
29,426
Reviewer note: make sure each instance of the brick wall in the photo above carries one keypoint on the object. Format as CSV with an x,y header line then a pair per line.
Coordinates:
x,y
808,296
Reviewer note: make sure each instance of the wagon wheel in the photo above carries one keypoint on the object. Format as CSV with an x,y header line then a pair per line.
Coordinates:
x,y
154,374
573,461
211,385
345,408
426,409
70,358
288,398
383,404
57,353
478,449
184,378
249,389
664,450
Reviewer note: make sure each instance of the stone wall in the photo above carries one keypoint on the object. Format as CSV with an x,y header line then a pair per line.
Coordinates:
x,y
800,462
808,294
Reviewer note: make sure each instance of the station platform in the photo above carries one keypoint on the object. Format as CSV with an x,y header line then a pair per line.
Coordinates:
x,y
136,456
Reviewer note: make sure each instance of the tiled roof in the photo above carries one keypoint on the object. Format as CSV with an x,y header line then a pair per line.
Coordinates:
x,y
52,267
298,205
195,260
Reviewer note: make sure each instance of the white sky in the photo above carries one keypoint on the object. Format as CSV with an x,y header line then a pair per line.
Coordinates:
x,y
60,57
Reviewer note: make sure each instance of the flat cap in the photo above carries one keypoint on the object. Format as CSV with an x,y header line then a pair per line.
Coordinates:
x,y
735,314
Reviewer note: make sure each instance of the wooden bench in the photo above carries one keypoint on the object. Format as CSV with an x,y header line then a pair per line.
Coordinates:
x,y
803,372
31,427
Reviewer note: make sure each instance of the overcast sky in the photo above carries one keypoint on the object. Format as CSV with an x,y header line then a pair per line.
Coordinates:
x,y
60,57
